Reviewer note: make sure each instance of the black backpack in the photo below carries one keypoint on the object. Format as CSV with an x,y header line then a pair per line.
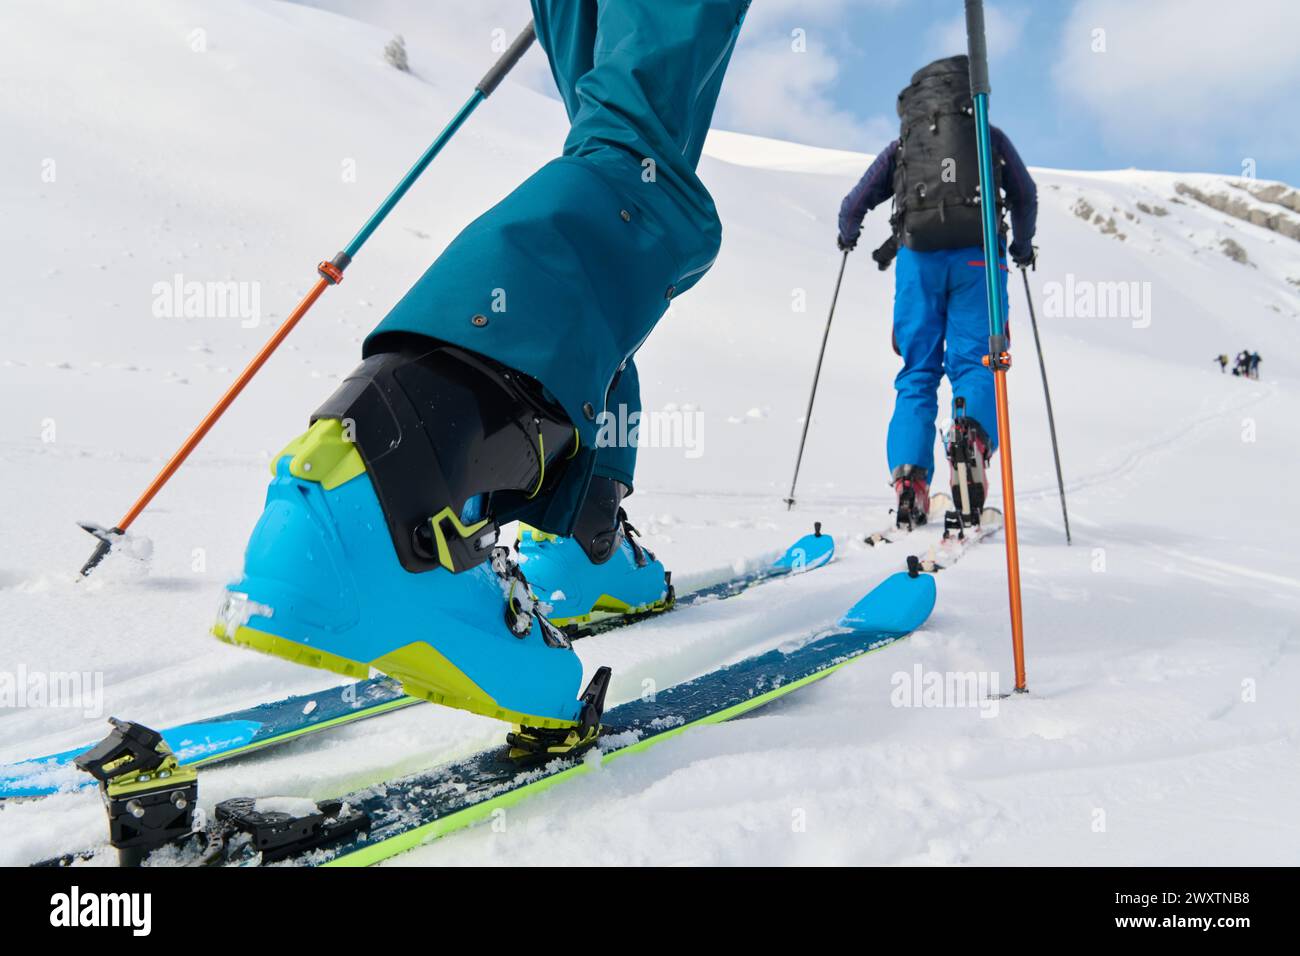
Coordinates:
x,y
936,175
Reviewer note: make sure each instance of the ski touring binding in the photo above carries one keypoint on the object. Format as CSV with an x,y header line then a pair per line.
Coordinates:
x,y
532,746
906,519
152,801
955,525
952,546
277,829
150,797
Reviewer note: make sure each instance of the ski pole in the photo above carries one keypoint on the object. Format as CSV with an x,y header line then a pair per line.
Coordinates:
x,y
1047,394
999,358
331,273
807,419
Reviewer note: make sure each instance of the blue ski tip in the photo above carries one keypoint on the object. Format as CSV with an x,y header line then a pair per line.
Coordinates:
x,y
897,605
192,743
810,551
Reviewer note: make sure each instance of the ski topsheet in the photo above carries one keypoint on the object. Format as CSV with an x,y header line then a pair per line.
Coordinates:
x,y
405,813
225,736
230,735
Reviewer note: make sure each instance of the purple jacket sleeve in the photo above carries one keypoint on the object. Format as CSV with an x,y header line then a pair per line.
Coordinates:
x,y
875,186
1021,193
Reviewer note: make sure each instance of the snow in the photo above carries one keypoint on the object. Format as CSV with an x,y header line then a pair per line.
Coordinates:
x,y
292,806
1163,722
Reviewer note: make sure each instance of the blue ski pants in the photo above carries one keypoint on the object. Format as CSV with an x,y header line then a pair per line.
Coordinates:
x,y
941,327
574,268
566,277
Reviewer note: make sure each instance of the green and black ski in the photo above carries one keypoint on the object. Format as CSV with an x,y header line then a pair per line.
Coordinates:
x,y
378,822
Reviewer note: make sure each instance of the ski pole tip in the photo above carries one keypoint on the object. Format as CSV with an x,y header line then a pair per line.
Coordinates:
x,y
105,536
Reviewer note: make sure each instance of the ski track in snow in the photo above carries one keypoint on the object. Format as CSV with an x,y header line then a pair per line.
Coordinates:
x,y
1162,724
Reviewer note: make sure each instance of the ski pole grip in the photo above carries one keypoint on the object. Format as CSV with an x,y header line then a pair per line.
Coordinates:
x,y
977,48
493,77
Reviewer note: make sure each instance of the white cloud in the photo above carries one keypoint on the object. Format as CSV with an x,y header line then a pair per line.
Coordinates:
x,y
772,90
1182,73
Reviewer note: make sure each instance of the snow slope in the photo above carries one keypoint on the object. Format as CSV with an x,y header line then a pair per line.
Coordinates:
x,y
1162,727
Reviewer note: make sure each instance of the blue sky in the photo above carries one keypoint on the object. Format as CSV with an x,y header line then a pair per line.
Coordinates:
x,y
1185,85
1188,85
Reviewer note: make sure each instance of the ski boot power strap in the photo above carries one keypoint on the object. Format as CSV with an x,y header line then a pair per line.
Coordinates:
x,y
450,440
601,523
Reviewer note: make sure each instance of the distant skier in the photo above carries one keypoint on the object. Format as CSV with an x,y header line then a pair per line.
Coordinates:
x,y
1252,365
1242,364
480,398
940,299
1223,363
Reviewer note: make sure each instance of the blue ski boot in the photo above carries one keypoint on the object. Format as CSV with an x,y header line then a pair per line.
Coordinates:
x,y
377,545
601,572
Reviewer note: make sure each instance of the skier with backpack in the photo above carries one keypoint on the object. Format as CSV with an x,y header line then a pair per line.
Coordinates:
x,y
479,401
1253,365
940,300
1223,363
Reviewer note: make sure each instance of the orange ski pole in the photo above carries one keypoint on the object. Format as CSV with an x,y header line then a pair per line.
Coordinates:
x,y
331,273
106,536
999,358
1009,517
